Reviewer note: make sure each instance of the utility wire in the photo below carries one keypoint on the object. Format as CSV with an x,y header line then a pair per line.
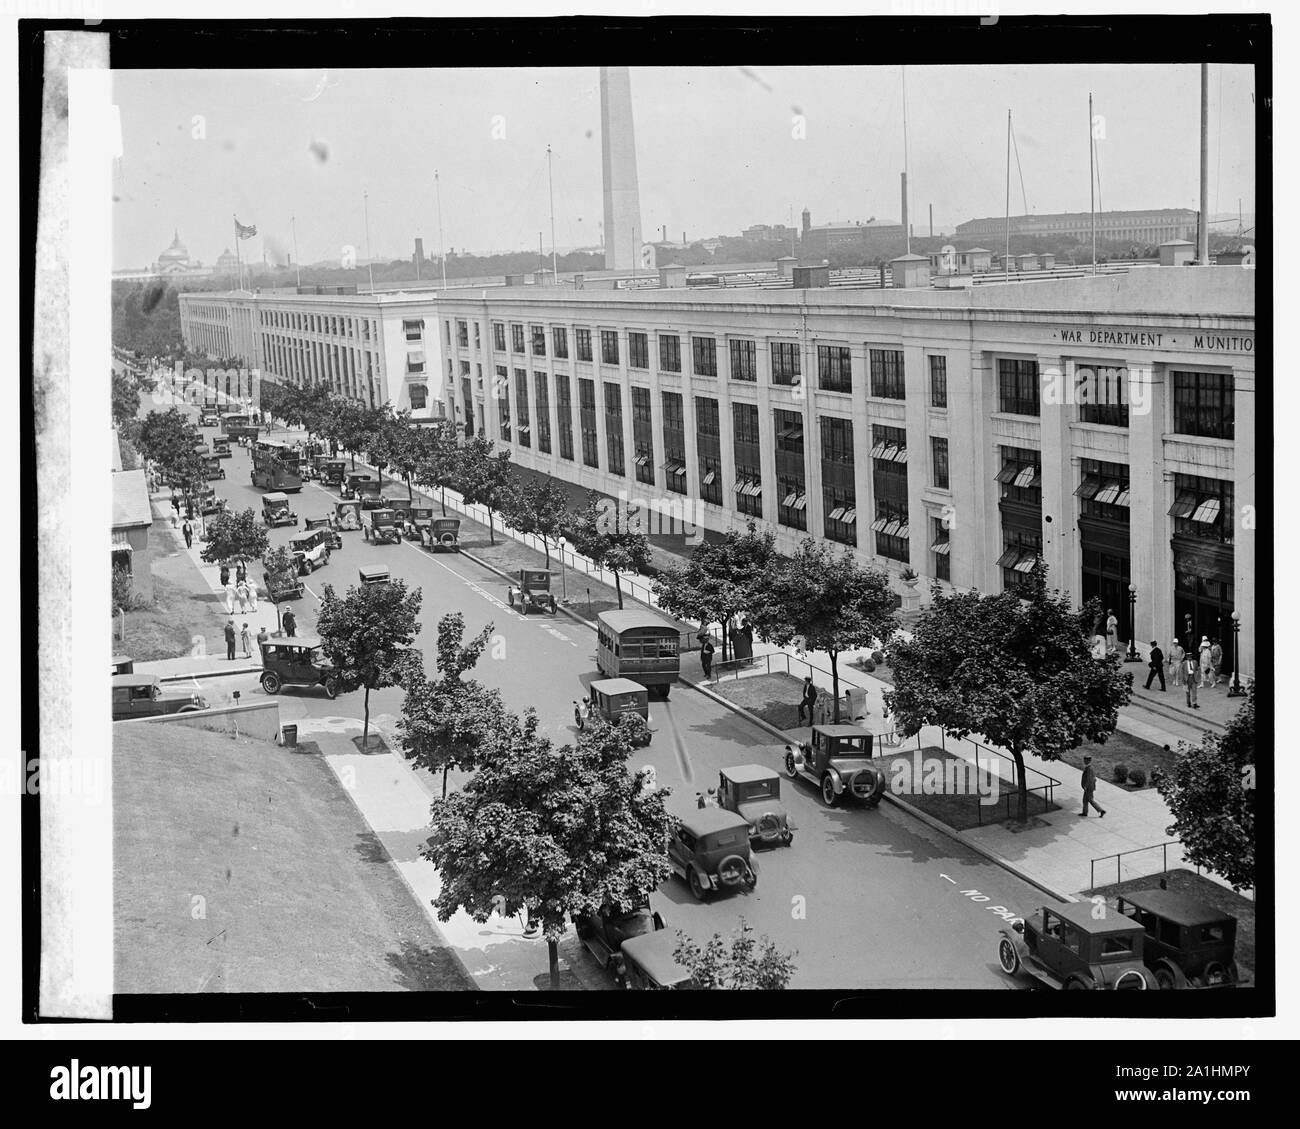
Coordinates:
x,y
1016,149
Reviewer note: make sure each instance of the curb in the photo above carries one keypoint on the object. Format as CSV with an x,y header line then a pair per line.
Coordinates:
x,y
924,817
507,577
207,674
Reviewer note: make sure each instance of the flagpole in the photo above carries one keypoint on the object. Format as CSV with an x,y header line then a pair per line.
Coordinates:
x,y
437,191
550,184
239,263
370,266
293,223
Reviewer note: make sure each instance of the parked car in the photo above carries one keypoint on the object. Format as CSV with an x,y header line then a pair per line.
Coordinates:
x,y
613,698
838,760
649,963
276,511
373,574
710,851
142,695
311,549
1066,946
331,471
532,591
348,487
382,528
370,496
296,661
347,515
603,935
326,525
209,503
1188,944
754,792
123,664
416,523
444,534
221,447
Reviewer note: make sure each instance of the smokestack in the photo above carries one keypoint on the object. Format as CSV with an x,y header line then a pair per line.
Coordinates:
x,y
907,230
1203,231
931,221
665,233
683,239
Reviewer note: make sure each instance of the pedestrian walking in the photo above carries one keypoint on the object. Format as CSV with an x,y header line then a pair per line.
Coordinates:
x,y
1189,673
1204,658
290,622
241,572
1112,633
176,509
241,590
246,641
225,575
252,594
577,716
1176,656
188,531
262,637
1089,782
230,639
230,598
1156,661
706,658
1216,661
809,699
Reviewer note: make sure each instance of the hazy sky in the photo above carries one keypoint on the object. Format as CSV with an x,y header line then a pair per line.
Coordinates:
x,y
716,150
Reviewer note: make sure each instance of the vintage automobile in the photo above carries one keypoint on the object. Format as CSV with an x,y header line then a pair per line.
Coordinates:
x,y
296,661
416,522
532,591
1067,946
649,963
369,492
838,761
209,419
1188,944
311,549
325,524
213,468
331,471
276,511
208,503
347,515
142,695
373,574
754,791
603,935
123,664
612,698
351,479
710,850
444,534
221,447
382,528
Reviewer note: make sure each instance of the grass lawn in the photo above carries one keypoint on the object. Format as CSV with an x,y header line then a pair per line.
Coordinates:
x,y
1120,748
965,809
167,628
772,697
242,866
1193,885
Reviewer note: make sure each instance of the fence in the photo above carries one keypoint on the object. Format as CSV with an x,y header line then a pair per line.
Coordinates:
x,y
1140,871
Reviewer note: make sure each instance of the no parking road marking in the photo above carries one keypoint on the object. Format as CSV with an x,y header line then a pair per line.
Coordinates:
x,y
981,899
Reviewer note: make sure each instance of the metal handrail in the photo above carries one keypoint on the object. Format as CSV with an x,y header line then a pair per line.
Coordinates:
x,y
1164,861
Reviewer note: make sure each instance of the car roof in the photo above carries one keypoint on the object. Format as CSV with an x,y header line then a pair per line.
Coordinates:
x,y
1178,908
292,640
380,511
122,659
135,680
747,773
373,570
654,952
704,821
844,730
618,686
1081,914
275,496
620,621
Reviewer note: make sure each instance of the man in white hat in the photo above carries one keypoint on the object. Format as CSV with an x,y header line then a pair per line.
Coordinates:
x,y
1207,664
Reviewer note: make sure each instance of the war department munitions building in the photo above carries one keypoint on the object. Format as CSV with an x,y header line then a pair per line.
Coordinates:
x,y
1104,422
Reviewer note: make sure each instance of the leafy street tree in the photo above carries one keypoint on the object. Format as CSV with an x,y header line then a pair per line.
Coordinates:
x,y
721,580
747,962
557,831
279,570
368,634
349,423
1016,667
829,600
484,478
405,444
381,438
607,538
446,721
170,440
1211,794
126,399
439,458
235,537
541,507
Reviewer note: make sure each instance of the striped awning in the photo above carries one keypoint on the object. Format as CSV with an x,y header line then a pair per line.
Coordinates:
x,y
120,543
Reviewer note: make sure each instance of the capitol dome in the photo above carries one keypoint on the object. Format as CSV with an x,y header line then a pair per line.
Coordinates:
x,y
176,253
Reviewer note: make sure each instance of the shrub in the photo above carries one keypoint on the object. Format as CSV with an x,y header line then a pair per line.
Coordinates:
x,y
1138,778
869,665
1120,772
122,595
877,657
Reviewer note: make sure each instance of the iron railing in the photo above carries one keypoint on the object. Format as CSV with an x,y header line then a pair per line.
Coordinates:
x,y
1163,848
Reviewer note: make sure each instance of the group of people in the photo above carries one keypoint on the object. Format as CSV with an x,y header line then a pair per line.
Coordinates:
x,y
240,590
1193,672
245,640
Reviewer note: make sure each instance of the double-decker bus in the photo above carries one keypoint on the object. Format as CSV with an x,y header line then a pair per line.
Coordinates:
x,y
276,466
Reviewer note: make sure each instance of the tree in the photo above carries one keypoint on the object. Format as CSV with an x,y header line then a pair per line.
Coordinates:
x,y
123,594
235,537
829,600
439,458
279,566
747,962
406,444
541,507
607,539
350,424
380,427
484,477
368,634
1211,795
170,440
445,722
1016,667
558,831
721,580
126,399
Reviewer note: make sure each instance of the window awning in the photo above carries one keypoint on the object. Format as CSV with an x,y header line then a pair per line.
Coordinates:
x,y
943,548
1122,498
1108,493
801,502
904,531
1027,476
835,514
1088,487
1208,510
789,498
1009,557
892,527
680,470
120,543
641,460
878,451
708,479
850,517
793,431
1026,561
1184,505
415,358
1009,470
879,524
413,323
523,428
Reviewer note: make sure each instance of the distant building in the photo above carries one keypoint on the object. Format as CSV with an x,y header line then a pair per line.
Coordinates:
x,y
766,233
1155,226
827,238
227,264
132,517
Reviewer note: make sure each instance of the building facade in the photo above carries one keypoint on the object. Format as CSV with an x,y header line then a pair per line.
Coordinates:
x,y
1106,424
1155,226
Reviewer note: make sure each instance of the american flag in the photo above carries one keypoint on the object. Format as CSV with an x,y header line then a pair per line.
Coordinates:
x,y
242,232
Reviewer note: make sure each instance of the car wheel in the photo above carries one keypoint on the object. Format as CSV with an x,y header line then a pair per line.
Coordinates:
x,y
788,838
1215,973
1169,976
790,768
188,709
327,556
828,790
697,887
271,682
331,688
1132,980
1008,957
1077,983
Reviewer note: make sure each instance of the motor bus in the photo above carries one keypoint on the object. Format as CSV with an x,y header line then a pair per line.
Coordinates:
x,y
235,424
276,466
638,645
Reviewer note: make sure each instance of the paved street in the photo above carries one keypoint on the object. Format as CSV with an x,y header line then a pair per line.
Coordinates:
x,y
868,898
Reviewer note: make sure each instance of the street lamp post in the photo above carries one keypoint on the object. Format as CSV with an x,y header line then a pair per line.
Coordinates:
x,y
1191,639
1132,655
1235,690
564,577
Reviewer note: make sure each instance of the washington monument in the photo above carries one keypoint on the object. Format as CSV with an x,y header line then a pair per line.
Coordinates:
x,y
618,171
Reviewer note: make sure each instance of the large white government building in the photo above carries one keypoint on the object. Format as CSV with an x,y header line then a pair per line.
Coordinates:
x,y
1105,423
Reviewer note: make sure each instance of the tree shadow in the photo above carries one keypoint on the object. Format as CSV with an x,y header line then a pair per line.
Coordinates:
x,y
429,968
